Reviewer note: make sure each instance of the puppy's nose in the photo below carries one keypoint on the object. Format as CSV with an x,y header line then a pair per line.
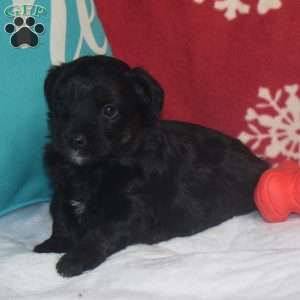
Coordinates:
x,y
77,142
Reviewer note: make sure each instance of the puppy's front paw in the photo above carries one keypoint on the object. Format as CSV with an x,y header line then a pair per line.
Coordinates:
x,y
76,262
70,265
58,245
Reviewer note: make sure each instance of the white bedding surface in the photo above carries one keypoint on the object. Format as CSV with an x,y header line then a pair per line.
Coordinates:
x,y
243,258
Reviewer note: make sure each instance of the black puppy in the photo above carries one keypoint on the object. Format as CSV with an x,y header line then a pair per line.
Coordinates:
x,y
121,176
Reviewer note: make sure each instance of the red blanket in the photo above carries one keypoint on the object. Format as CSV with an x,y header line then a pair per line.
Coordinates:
x,y
233,65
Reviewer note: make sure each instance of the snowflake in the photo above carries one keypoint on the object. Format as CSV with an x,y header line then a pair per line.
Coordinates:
x,y
232,8
264,6
274,128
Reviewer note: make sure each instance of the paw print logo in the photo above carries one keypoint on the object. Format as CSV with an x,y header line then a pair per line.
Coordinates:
x,y
24,32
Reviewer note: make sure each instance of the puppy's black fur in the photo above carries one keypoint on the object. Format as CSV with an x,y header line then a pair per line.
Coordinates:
x,y
121,176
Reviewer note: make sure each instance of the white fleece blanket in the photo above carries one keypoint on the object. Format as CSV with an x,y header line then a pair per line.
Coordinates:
x,y
243,258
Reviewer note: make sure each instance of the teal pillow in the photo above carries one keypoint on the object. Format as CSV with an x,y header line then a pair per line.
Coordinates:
x,y
35,34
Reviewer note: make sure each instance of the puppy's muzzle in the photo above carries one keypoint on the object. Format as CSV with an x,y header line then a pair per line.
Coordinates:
x,y
77,142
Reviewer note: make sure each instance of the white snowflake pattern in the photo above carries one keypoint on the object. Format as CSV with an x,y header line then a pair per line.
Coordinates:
x,y
264,6
274,124
233,8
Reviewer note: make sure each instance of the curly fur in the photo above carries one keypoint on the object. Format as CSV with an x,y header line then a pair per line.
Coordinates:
x,y
122,176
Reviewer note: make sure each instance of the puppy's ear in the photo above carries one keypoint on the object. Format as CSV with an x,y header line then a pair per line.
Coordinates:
x,y
49,85
148,90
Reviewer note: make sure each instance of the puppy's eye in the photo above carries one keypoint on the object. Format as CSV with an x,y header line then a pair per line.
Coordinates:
x,y
110,111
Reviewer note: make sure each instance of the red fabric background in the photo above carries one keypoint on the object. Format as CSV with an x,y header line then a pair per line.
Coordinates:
x,y
210,68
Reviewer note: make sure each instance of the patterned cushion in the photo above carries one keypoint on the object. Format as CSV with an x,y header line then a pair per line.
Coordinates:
x,y
228,64
34,35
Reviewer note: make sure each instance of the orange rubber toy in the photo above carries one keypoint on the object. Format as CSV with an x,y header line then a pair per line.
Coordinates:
x,y
277,193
